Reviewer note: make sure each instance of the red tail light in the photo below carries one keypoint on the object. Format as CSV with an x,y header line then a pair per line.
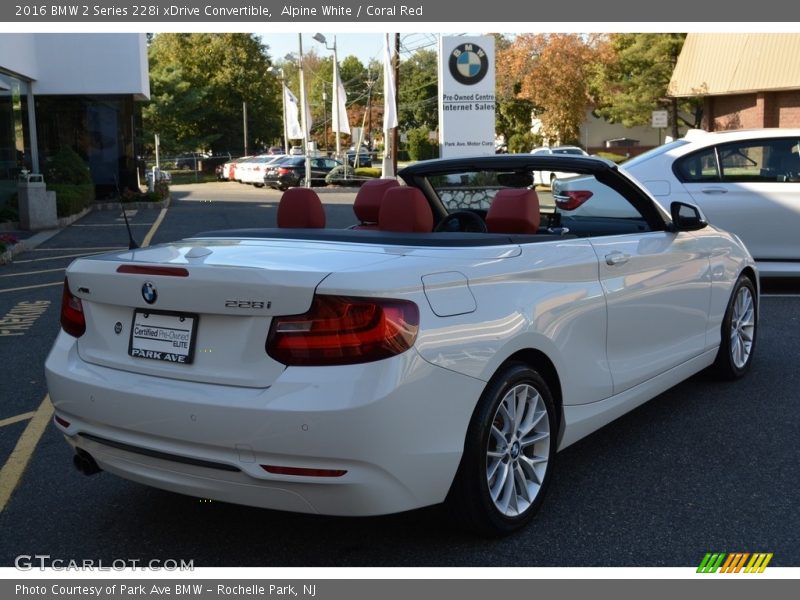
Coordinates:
x,y
339,330
72,319
570,200
283,171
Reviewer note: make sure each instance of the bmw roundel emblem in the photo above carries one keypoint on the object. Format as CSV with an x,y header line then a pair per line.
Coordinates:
x,y
468,64
149,293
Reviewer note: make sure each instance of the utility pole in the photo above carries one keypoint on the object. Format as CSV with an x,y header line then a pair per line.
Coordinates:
x,y
396,96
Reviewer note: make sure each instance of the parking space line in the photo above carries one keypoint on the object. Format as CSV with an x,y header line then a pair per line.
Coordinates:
x,y
14,468
33,272
17,419
31,287
149,237
11,473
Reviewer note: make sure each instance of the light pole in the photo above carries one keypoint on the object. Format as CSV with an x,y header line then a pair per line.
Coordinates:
x,y
323,40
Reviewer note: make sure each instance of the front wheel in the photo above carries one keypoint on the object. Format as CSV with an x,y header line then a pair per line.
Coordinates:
x,y
508,453
739,328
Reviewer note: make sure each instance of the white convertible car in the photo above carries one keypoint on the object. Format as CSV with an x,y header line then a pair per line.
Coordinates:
x,y
443,350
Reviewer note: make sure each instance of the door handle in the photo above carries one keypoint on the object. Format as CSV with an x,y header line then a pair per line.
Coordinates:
x,y
617,258
714,190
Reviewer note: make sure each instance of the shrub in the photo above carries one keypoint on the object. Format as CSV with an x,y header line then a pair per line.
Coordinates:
x,y
67,174
71,199
420,147
371,172
67,167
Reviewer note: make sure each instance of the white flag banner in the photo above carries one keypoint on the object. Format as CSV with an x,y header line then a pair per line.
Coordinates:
x,y
339,104
389,107
292,115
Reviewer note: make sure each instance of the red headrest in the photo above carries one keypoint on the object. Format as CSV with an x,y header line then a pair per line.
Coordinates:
x,y
405,209
514,211
300,207
367,204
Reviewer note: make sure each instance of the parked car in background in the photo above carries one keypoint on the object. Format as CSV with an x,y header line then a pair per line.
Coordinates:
x,y
252,171
547,177
363,156
229,168
296,151
292,172
442,354
747,182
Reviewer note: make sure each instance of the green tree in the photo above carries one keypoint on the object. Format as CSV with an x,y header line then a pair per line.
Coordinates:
x,y
418,91
632,79
198,84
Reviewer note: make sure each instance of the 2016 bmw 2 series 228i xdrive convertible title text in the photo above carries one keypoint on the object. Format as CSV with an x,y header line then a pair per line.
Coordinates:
x,y
441,351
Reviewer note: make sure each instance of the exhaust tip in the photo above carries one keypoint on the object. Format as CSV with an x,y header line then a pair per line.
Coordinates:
x,y
84,463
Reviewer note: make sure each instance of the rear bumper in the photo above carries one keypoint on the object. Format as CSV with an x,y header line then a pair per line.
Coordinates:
x,y
396,427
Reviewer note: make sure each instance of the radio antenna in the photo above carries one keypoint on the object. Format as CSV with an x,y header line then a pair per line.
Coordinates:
x,y
132,245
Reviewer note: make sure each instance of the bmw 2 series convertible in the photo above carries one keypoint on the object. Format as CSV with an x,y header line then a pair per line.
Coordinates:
x,y
442,350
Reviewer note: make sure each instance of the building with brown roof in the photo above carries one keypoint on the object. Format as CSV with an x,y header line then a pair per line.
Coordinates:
x,y
747,80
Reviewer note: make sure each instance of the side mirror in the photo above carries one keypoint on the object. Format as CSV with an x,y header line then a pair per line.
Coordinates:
x,y
687,217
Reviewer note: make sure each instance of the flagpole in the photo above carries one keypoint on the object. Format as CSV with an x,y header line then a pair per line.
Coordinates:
x,y
285,120
303,119
336,103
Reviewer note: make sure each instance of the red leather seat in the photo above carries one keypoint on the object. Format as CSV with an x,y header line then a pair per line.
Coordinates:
x,y
514,211
405,209
300,208
367,204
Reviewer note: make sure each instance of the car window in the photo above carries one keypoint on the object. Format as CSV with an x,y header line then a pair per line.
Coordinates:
x,y
698,166
582,204
587,207
760,160
472,190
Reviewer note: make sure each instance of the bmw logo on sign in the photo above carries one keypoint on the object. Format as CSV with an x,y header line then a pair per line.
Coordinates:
x,y
468,64
149,293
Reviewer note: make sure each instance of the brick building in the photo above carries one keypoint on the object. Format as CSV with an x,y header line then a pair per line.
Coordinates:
x,y
747,80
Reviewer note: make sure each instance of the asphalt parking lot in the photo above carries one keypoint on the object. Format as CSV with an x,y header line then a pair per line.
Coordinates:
x,y
706,466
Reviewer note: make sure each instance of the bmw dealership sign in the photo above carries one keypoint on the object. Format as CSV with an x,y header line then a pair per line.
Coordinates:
x,y
466,96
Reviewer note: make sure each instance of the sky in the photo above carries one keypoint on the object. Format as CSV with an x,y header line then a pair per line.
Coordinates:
x,y
364,46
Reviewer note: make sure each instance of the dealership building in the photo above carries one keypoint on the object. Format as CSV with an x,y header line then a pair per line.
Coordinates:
x,y
75,90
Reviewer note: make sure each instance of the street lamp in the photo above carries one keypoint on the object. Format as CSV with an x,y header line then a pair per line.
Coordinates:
x,y
323,40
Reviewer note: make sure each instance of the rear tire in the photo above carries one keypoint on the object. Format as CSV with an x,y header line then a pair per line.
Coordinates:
x,y
739,328
508,454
